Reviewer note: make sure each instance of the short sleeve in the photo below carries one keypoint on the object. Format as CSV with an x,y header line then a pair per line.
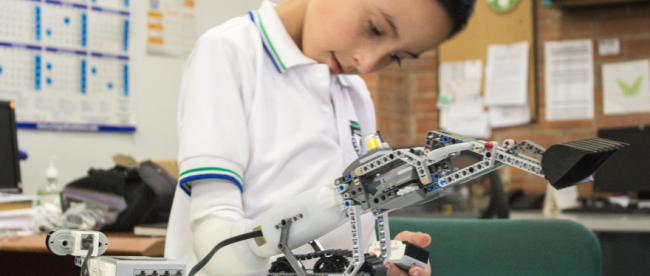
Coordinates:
x,y
212,130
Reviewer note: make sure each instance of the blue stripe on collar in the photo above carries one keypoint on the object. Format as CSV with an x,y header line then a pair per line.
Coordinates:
x,y
264,43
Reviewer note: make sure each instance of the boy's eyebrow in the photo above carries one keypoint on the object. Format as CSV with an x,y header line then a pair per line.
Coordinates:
x,y
414,55
390,21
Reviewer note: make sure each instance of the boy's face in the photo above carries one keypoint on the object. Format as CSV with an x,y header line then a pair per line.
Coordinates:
x,y
363,36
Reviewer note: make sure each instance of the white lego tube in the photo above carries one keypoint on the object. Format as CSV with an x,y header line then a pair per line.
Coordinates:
x,y
444,152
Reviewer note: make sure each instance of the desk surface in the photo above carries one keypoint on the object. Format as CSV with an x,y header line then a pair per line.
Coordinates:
x,y
125,244
596,222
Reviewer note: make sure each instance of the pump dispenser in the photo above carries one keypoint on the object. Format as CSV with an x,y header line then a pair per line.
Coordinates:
x,y
50,192
52,174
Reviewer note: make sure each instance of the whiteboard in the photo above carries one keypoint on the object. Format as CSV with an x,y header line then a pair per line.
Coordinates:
x,y
66,64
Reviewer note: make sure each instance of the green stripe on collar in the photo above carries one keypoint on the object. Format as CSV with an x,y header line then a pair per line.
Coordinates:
x,y
275,54
344,80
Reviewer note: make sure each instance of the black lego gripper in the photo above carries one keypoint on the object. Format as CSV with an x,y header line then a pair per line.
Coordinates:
x,y
566,164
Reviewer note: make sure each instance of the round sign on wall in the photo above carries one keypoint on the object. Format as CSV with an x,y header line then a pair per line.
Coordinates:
x,y
502,6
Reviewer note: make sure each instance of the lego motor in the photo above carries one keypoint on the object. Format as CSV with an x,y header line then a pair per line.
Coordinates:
x,y
88,246
403,254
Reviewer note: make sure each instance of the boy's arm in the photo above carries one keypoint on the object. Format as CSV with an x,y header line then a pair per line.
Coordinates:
x,y
213,140
215,198
212,125
215,206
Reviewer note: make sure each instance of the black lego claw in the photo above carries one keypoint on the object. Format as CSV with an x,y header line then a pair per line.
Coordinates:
x,y
567,164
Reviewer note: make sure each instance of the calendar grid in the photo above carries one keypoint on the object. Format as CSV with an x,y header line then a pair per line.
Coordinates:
x,y
66,64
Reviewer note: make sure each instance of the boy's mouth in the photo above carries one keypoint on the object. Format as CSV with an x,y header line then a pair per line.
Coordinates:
x,y
335,65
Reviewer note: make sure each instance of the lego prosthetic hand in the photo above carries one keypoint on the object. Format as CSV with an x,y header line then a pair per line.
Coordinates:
x,y
381,180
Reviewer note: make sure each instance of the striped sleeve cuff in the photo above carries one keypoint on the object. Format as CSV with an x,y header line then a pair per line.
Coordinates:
x,y
200,168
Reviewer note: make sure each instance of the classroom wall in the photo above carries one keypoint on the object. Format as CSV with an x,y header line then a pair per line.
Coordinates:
x,y
631,24
417,81
155,84
404,96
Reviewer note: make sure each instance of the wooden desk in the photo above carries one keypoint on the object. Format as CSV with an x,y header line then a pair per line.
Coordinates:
x,y
637,223
27,256
125,244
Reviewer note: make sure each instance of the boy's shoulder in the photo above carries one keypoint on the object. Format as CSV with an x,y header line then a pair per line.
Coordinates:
x,y
239,31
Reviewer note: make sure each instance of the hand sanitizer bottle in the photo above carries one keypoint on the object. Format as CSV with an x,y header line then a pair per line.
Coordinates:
x,y
50,192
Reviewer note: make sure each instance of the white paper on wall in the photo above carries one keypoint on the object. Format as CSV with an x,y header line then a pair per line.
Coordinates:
x,y
609,47
449,72
626,87
506,116
473,70
461,106
506,74
476,127
172,27
569,80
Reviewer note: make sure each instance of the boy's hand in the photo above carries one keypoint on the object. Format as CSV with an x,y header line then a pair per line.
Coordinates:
x,y
420,239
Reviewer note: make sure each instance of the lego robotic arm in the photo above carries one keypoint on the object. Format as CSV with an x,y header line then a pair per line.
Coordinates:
x,y
385,179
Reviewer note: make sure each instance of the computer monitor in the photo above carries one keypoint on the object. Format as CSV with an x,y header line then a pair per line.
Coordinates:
x,y
628,170
9,156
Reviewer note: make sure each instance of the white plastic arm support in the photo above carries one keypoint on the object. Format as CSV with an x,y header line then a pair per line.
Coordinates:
x,y
235,259
321,210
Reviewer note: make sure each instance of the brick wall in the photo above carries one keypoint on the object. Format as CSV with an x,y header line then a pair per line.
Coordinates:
x,y
388,89
405,96
405,99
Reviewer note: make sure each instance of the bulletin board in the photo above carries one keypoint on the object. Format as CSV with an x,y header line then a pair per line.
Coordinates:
x,y
66,64
488,27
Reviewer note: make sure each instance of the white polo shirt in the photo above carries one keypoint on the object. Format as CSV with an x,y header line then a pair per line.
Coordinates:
x,y
256,112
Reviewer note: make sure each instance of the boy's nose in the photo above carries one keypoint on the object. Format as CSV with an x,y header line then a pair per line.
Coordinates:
x,y
368,62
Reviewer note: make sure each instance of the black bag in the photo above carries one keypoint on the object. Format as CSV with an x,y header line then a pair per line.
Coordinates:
x,y
147,189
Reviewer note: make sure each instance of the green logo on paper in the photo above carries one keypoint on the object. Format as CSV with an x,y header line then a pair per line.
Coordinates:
x,y
444,100
502,5
628,90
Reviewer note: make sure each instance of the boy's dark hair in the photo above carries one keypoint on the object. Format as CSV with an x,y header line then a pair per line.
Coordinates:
x,y
459,12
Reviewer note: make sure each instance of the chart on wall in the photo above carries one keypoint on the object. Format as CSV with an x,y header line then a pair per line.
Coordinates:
x,y
66,64
172,28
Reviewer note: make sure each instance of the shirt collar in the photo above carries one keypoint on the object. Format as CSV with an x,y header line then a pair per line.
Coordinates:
x,y
277,43
343,79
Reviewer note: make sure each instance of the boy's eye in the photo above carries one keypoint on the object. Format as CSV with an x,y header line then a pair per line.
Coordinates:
x,y
373,28
393,56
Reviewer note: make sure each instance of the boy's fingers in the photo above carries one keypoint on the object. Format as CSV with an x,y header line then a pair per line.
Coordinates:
x,y
393,270
418,238
423,272
417,271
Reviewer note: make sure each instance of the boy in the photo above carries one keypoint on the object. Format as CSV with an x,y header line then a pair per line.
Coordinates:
x,y
267,112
